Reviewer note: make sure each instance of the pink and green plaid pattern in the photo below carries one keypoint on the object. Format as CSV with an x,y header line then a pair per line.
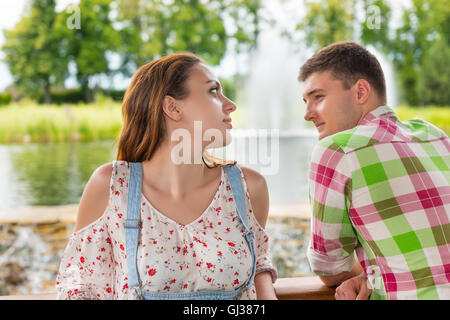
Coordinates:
x,y
382,190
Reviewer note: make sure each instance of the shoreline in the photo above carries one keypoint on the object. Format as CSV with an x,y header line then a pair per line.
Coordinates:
x,y
68,213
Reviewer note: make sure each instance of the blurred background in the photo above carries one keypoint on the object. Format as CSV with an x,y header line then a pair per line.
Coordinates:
x,y
65,65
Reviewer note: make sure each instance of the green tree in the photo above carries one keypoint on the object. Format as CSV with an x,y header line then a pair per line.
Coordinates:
x,y
32,50
89,44
375,25
328,21
434,75
196,26
424,24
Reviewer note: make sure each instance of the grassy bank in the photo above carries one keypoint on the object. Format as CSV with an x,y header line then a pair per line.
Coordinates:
x,y
439,116
28,122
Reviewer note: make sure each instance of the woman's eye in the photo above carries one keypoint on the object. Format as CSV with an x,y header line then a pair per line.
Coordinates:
x,y
214,90
319,96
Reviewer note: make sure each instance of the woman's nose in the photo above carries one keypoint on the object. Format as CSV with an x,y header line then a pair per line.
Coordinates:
x,y
228,105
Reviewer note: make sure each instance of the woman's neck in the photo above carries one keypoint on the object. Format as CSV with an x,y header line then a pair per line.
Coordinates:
x,y
169,176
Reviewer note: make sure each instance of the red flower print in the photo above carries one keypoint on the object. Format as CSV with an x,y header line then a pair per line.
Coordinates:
x,y
166,288
228,229
125,286
185,286
108,290
82,259
209,264
89,239
219,253
236,281
151,272
102,249
108,240
173,281
208,280
218,209
122,247
117,193
119,215
230,199
231,244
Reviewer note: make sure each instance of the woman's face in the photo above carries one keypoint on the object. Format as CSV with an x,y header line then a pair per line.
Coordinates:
x,y
206,111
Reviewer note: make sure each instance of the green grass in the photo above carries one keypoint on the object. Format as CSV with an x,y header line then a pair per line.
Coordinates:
x,y
28,122
439,116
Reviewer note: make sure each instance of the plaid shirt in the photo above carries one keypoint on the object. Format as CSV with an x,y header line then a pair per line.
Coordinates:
x,y
382,190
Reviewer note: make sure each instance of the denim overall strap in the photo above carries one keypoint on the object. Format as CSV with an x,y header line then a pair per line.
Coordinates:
x,y
133,224
235,178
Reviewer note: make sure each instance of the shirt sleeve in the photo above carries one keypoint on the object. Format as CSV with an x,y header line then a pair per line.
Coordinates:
x,y
87,266
262,249
261,239
333,238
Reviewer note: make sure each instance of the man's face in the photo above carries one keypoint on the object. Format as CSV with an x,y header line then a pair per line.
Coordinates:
x,y
330,106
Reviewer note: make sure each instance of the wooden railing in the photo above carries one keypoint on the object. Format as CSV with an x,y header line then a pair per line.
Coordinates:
x,y
299,288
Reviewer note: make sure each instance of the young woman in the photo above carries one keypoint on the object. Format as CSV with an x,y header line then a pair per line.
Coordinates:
x,y
159,224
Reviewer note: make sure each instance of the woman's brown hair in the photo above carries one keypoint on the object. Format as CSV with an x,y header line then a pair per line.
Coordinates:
x,y
142,108
143,116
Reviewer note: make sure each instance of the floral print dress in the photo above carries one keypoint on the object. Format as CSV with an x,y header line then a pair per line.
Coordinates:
x,y
210,253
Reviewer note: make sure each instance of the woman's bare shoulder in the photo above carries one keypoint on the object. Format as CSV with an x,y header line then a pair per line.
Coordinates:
x,y
95,198
259,194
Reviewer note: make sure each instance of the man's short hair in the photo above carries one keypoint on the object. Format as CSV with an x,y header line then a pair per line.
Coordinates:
x,y
348,62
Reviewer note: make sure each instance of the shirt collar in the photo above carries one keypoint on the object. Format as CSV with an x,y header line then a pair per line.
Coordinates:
x,y
382,111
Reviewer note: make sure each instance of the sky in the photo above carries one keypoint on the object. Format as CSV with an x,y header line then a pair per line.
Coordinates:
x,y
11,10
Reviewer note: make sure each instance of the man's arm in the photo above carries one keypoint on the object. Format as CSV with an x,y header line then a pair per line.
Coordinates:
x,y
333,281
333,237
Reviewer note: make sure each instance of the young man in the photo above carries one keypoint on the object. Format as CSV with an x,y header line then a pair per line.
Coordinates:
x,y
379,187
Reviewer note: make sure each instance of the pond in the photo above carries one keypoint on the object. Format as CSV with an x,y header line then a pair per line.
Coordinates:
x,y
55,174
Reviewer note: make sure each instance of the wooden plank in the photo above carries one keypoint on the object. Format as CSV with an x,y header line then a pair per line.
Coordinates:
x,y
297,288
36,296
303,288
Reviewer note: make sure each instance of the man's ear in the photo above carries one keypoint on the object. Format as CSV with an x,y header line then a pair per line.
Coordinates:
x,y
363,89
171,108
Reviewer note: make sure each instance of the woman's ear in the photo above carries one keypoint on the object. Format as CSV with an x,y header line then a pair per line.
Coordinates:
x,y
171,108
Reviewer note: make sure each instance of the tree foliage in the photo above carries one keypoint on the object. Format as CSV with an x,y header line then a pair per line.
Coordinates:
x,y
32,52
424,25
42,45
